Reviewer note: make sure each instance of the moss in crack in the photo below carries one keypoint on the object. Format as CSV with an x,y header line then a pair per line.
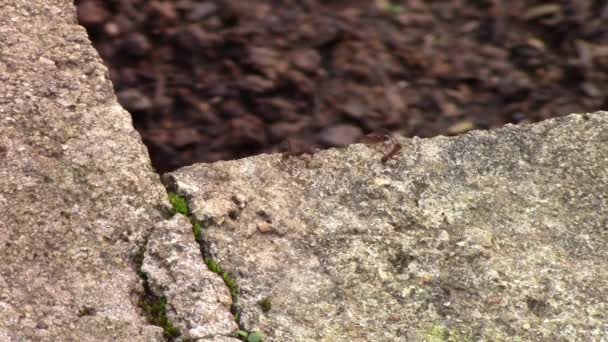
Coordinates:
x,y
245,335
228,280
156,312
197,230
154,307
138,259
180,205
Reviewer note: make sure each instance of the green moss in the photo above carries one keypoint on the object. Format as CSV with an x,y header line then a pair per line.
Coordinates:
x,y
154,308
439,333
228,280
231,283
196,229
178,203
213,265
156,312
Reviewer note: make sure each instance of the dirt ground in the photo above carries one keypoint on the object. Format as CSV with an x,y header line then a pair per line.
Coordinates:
x,y
224,79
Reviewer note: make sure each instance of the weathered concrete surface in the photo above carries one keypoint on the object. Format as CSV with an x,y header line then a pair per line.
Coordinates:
x,y
77,193
198,301
495,236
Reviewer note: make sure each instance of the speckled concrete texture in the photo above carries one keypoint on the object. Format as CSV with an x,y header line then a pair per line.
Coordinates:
x,y
77,193
490,236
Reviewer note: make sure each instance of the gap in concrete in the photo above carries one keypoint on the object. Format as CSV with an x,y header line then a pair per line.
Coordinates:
x,y
181,206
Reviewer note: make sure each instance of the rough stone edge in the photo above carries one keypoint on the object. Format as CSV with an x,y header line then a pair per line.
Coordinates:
x,y
172,182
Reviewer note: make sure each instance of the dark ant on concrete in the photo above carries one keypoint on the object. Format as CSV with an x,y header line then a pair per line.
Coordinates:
x,y
392,152
390,145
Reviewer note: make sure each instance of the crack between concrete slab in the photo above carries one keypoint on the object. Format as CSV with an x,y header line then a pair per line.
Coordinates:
x,y
181,205
152,305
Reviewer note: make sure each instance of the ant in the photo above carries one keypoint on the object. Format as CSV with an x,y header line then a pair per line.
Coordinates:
x,y
390,154
390,144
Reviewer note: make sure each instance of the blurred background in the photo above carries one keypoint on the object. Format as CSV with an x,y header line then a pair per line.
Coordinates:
x,y
212,80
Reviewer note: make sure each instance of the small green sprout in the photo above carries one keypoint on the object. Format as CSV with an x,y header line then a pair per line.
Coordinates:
x,y
178,203
253,336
